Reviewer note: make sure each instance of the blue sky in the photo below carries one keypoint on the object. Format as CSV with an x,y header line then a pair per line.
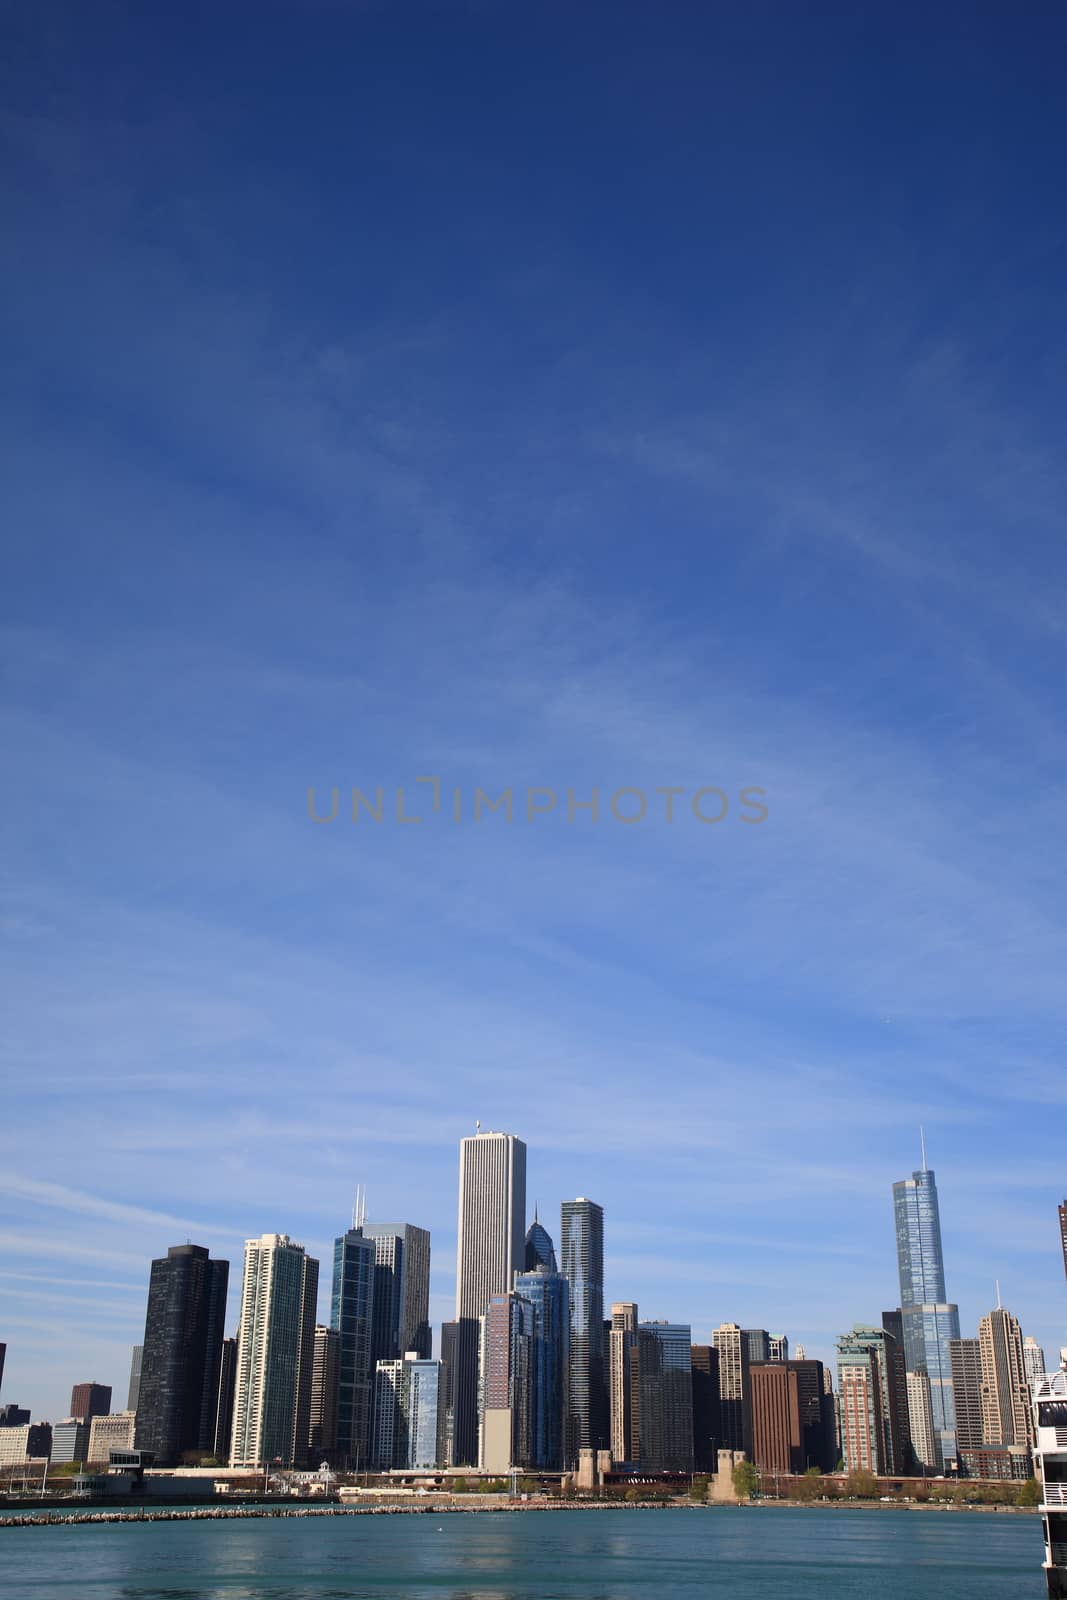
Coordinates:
x,y
551,396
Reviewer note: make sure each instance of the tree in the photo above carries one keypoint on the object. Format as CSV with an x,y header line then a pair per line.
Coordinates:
x,y
698,1489
745,1480
460,1486
861,1485
1029,1493
807,1488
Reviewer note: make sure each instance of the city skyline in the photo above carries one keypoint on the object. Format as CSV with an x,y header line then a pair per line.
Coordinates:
x,y
750,1336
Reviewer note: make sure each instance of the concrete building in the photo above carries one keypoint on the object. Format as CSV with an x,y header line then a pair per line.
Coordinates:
x,y
966,1363
729,1340
792,1417
114,1432
1007,1414
275,1352
872,1437
924,1443
70,1441
322,1427
1033,1359
25,1441
490,1250
624,1383
504,1365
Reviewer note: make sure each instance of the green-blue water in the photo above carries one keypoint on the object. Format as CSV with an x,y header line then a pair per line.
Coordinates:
x,y
786,1554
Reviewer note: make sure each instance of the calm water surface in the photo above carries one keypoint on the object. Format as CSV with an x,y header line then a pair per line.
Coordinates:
x,y
566,1555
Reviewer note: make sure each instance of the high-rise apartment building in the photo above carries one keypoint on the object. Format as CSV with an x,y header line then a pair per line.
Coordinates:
x,y
624,1383
352,1315
407,1411
707,1420
89,1400
322,1426
581,1249
871,1426
401,1320
490,1250
547,1293
275,1353
930,1320
1007,1415
177,1396
666,1420
924,1446
1033,1359
910,1461
966,1361
733,1347
506,1337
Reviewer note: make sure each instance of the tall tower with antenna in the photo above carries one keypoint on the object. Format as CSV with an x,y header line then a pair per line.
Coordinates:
x,y
930,1320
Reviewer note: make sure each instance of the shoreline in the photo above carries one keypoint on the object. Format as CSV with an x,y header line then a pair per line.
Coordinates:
x,y
53,1517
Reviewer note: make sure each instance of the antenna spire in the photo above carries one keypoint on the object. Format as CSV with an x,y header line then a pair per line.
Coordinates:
x,y
359,1206
999,1306
922,1141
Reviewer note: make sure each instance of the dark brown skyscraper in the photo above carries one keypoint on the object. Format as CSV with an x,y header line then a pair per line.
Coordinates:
x,y
89,1400
966,1358
792,1417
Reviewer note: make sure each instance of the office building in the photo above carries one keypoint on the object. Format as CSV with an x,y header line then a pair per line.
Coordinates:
x,y
13,1416
731,1343
70,1442
539,1249
352,1315
1033,1359
134,1391
893,1323
25,1441
449,1335
275,1352
965,1358
707,1421
89,1400
624,1383
666,1396
490,1250
930,1320
778,1347
1007,1414
506,1336
792,1417
322,1427
177,1396
757,1343
872,1435
115,1432
407,1414
224,1403
401,1317
548,1294
581,1248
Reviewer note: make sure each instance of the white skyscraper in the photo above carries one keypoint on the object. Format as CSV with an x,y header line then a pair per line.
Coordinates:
x,y
1033,1359
491,1249
275,1353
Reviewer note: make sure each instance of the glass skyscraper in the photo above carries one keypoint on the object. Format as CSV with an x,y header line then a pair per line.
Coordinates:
x,y
352,1314
178,1385
582,1253
547,1292
930,1320
666,1421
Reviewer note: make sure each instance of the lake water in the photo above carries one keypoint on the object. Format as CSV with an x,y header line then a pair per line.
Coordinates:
x,y
750,1554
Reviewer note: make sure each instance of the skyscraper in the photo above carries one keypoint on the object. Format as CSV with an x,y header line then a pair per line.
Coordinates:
x,y
581,1246
1007,1415
505,1354
930,1321
224,1404
548,1295
89,1400
401,1319
352,1314
707,1421
871,1425
134,1390
624,1383
666,1422
791,1417
966,1362
490,1250
177,1395
322,1426
925,1454
275,1352
407,1408
1033,1359
729,1340
539,1250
